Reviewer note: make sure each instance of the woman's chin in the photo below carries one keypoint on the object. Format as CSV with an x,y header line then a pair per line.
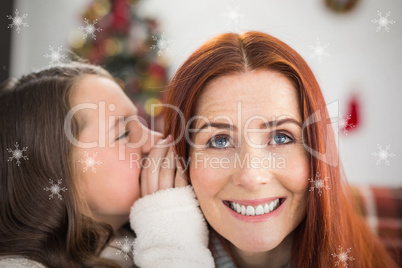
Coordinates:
x,y
257,245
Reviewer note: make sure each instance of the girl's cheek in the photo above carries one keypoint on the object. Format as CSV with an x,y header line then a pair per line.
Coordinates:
x,y
134,161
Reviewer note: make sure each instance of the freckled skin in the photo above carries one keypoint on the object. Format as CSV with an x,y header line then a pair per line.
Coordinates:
x,y
268,95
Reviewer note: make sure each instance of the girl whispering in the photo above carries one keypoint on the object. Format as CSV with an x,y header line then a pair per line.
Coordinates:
x,y
69,136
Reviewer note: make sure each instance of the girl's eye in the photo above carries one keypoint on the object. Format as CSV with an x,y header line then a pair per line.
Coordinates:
x,y
218,142
280,139
124,135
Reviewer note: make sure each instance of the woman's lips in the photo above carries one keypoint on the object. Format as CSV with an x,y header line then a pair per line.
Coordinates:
x,y
255,210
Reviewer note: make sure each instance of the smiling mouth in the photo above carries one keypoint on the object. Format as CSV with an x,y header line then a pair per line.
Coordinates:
x,y
260,209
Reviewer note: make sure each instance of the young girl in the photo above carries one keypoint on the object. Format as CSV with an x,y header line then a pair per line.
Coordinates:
x,y
71,152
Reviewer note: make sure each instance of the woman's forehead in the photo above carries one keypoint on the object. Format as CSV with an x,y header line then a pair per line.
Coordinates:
x,y
263,92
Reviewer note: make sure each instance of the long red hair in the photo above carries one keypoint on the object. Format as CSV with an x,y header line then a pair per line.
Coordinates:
x,y
331,219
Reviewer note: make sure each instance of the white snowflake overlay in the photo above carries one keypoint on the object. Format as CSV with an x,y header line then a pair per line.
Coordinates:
x,y
55,189
161,44
383,154
55,56
125,248
90,162
233,16
343,256
343,124
383,21
318,183
89,29
17,21
319,50
17,154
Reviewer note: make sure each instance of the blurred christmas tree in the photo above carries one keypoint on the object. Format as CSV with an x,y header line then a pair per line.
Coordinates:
x,y
116,37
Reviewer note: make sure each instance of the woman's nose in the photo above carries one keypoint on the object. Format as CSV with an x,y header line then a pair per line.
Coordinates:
x,y
249,174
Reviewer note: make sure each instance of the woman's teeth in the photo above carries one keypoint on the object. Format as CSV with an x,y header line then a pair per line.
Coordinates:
x,y
257,210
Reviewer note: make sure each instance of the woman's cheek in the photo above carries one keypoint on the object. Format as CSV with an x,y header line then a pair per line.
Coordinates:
x,y
208,182
208,172
206,185
295,176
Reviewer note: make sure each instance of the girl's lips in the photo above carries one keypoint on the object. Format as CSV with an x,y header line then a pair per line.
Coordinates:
x,y
255,210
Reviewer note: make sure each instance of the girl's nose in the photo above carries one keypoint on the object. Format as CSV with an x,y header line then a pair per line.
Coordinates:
x,y
152,139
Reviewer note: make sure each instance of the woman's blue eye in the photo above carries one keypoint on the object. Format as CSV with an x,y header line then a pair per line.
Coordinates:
x,y
219,143
281,139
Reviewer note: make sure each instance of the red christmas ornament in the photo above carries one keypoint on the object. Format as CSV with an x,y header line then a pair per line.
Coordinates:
x,y
353,120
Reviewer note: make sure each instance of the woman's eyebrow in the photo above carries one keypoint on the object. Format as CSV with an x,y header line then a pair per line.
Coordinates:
x,y
217,125
273,123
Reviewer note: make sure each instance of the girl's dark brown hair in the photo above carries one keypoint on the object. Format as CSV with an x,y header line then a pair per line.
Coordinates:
x,y
331,220
54,232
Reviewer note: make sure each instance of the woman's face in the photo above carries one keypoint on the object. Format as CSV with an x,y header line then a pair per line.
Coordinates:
x,y
109,171
248,166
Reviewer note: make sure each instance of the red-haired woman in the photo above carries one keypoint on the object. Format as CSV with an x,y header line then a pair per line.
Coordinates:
x,y
257,139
